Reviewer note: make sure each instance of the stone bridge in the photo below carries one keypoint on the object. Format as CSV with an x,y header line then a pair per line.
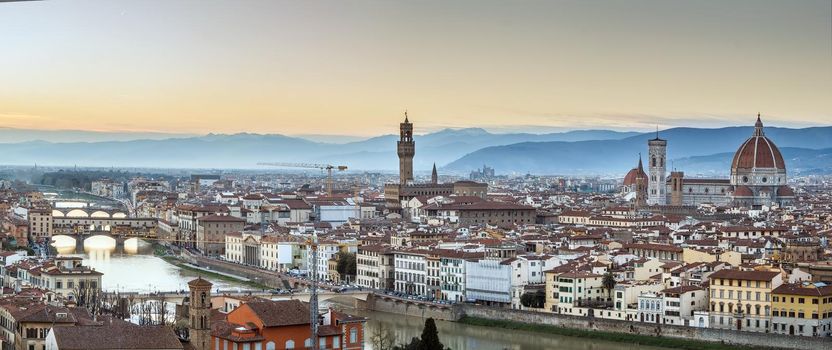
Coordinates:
x,y
82,238
88,213
178,297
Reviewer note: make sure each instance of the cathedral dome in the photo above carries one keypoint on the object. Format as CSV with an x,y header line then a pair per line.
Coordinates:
x,y
758,152
632,175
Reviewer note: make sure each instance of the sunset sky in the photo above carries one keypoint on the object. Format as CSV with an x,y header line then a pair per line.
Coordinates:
x,y
353,67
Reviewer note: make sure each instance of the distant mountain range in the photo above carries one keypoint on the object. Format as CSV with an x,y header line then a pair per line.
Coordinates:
x,y
798,160
693,150
245,150
11,135
698,151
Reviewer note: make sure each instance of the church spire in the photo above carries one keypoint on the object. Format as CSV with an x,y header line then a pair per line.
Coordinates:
x,y
434,177
640,167
758,126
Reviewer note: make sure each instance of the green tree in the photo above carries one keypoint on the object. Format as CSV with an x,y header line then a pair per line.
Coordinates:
x,y
609,283
414,344
533,300
430,337
346,265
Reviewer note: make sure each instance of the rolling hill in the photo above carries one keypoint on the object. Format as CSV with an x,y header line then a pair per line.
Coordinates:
x,y
618,156
245,150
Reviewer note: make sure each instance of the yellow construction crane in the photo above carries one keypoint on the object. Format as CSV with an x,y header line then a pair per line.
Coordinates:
x,y
327,167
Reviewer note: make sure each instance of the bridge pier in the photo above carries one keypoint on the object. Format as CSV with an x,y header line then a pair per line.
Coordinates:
x,y
119,244
79,244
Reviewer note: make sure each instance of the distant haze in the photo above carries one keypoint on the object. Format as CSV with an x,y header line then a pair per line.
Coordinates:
x,y
455,151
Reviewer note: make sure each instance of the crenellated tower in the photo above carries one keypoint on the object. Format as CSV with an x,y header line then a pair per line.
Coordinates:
x,y
406,150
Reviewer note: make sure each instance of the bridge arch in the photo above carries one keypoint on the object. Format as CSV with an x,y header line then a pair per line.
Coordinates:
x,y
77,213
119,215
63,241
100,214
57,213
102,240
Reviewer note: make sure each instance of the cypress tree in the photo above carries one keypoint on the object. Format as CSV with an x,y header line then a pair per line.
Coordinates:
x,y
430,337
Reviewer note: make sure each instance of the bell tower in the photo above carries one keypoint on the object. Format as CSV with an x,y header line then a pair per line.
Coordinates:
x,y
199,311
406,150
657,184
641,186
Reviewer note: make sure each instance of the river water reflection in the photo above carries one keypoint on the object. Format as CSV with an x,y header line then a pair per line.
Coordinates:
x,y
135,270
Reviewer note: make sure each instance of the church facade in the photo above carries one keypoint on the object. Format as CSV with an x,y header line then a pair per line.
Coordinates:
x,y
757,178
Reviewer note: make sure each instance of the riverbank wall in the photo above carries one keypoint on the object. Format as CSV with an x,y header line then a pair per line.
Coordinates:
x,y
762,340
395,306
266,278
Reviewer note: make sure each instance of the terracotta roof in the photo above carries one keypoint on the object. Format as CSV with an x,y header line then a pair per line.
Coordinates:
x,y
579,274
743,191
219,218
807,290
632,175
681,289
758,152
485,205
744,275
653,246
785,191
200,282
280,313
116,337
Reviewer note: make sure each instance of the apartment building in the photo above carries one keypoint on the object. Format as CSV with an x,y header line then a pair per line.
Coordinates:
x,y
802,309
211,231
741,300
411,272
374,265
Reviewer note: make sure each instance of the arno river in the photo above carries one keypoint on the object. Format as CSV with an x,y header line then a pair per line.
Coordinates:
x,y
138,270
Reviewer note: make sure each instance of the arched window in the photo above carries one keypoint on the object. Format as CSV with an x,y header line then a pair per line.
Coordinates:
x,y
353,335
653,163
290,344
308,342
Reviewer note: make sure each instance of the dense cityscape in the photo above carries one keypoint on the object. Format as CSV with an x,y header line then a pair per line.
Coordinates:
x,y
652,252
415,175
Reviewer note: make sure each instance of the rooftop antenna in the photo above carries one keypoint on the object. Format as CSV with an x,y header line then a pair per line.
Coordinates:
x,y
313,292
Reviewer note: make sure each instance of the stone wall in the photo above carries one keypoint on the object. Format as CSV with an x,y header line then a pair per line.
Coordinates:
x,y
400,307
267,278
617,326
